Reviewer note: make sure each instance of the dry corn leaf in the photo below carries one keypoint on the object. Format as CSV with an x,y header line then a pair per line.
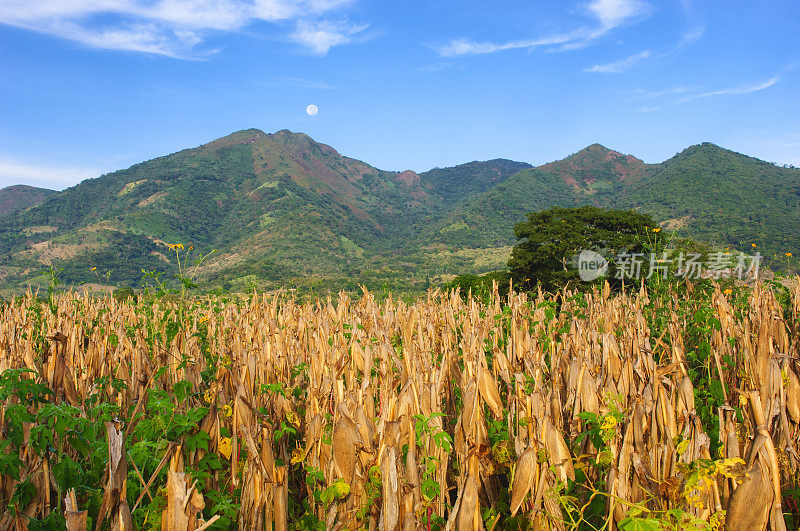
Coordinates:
x,y
524,476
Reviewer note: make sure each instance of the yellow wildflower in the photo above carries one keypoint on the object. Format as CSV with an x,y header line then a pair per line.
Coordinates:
x,y
225,447
93,269
208,396
754,245
298,455
728,291
292,417
657,229
717,520
608,422
788,255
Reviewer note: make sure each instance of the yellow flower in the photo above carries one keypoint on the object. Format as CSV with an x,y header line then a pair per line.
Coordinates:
x,y
608,422
93,269
788,255
208,396
728,291
754,245
657,229
298,455
225,447
292,417
717,520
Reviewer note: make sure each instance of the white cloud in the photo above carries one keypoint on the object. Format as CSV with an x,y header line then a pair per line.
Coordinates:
x,y
320,37
617,67
168,27
695,95
660,93
466,47
741,89
607,14
691,36
15,172
300,82
613,13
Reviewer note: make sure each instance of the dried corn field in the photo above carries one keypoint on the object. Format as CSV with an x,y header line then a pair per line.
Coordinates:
x,y
590,411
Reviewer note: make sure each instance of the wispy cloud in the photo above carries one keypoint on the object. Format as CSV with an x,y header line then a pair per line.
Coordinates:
x,y
613,13
689,37
617,67
607,15
320,36
174,28
466,47
700,94
438,67
15,172
741,89
303,83
644,94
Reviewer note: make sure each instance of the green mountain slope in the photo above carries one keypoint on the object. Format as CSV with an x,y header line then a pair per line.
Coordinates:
x,y
582,178
706,192
20,196
721,196
465,180
488,219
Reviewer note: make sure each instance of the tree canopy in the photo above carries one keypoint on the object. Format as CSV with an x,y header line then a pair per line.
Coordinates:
x,y
550,241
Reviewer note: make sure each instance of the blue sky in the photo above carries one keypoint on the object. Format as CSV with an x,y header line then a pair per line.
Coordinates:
x,y
91,86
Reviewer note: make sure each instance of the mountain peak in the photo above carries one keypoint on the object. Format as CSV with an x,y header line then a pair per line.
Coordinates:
x,y
595,167
710,150
598,147
244,136
408,177
21,196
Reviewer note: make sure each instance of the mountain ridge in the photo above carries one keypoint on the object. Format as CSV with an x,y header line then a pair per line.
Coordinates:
x,y
282,208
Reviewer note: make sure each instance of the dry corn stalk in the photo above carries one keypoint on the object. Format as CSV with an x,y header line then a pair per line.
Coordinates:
x,y
395,396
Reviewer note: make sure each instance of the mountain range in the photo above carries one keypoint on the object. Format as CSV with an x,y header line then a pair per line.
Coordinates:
x,y
283,210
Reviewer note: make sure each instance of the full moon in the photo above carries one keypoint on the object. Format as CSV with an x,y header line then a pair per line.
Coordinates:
x,y
312,110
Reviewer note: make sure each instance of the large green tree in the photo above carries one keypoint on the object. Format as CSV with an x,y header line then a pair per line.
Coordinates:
x,y
550,241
